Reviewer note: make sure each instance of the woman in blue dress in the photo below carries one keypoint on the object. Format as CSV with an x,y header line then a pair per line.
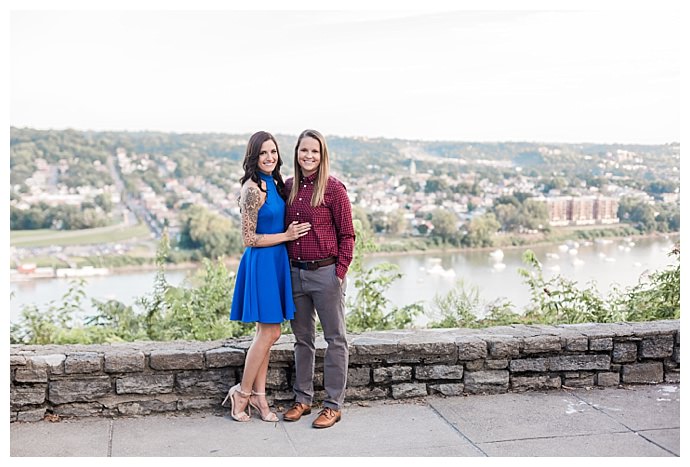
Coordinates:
x,y
263,288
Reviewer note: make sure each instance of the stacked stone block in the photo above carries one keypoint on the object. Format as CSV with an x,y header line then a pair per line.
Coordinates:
x,y
150,377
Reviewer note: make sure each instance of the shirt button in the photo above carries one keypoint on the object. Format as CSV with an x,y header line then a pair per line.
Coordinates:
x,y
298,214
305,186
300,199
299,257
298,243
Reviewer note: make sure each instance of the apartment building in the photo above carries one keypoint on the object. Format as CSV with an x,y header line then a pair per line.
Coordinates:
x,y
582,210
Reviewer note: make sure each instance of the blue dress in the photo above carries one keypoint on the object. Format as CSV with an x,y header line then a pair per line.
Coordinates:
x,y
263,288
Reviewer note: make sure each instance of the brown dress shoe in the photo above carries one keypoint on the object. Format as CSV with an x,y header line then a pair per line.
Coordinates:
x,y
296,411
327,418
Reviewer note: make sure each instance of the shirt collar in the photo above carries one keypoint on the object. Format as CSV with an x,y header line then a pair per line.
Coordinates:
x,y
309,179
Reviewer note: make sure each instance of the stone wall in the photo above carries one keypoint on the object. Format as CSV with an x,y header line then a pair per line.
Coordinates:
x,y
148,377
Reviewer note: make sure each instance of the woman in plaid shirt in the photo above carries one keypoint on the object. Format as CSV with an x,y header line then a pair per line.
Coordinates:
x,y
319,263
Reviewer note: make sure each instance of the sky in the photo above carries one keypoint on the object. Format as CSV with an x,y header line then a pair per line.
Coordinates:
x,y
601,76
486,71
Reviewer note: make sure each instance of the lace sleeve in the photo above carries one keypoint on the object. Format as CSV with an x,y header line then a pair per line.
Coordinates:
x,y
250,202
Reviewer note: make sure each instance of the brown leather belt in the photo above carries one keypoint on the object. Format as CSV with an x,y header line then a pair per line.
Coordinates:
x,y
313,265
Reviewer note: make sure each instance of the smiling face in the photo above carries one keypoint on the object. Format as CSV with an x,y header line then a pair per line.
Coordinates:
x,y
268,157
309,155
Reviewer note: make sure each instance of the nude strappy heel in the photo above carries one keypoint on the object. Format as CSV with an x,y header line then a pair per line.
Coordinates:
x,y
242,416
271,416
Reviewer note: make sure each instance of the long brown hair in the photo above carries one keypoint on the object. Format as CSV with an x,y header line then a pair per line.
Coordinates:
x,y
251,161
323,170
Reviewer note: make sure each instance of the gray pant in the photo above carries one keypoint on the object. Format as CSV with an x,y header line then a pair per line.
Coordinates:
x,y
319,292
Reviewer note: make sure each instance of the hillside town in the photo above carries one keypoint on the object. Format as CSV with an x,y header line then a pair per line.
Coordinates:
x,y
406,199
375,193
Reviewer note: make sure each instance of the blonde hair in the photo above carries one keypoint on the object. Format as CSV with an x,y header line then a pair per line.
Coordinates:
x,y
323,170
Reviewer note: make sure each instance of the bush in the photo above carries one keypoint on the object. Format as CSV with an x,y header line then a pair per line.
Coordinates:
x,y
199,312
560,301
370,309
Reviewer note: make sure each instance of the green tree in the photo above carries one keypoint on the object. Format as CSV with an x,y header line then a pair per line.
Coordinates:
x,y
397,224
555,183
519,211
104,201
378,221
410,185
28,219
360,214
481,230
637,212
508,199
661,186
668,218
534,214
507,216
212,234
445,224
435,185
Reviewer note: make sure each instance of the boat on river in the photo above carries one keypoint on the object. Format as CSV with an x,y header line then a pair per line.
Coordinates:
x,y
496,255
27,274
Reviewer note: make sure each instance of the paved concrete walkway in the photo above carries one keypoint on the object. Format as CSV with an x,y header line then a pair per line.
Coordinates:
x,y
632,421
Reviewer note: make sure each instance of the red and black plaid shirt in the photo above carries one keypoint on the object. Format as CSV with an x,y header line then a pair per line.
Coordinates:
x,y
332,233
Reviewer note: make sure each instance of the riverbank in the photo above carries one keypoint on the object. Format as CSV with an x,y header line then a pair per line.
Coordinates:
x,y
89,271
232,262
548,242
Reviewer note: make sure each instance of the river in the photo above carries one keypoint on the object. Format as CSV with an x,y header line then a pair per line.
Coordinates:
x,y
617,261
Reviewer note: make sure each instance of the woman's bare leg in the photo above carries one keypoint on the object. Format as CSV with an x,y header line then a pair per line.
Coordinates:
x,y
256,363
